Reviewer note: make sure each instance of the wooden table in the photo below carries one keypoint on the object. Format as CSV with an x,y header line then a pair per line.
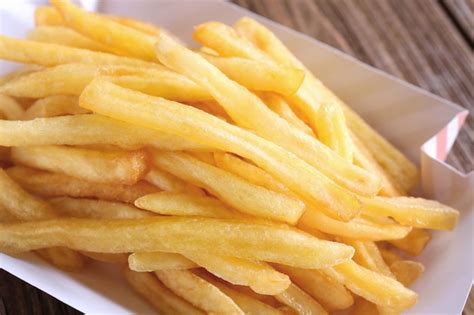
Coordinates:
x,y
426,42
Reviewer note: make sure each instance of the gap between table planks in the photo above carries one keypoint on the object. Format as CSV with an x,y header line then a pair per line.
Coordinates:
x,y
425,42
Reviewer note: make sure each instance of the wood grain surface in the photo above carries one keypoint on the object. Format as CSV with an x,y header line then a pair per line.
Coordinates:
x,y
425,42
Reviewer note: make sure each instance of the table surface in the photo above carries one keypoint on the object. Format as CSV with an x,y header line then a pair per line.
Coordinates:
x,y
425,42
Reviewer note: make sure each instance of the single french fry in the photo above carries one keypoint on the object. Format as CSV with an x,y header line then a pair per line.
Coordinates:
x,y
93,208
10,109
86,130
23,206
58,185
414,242
185,204
312,98
299,301
260,277
331,294
108,167
278,104
107,31
231,189
248,111
67,37
248,171
148,262
46,54
247,303
368,255
258,76
416,212
170,183
407,271
238,238
198,292
372,286
58,105
357,228
110,100
165,301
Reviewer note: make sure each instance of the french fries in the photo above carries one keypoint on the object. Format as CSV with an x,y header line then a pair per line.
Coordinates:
x,y
58,105
108,167
49,184
107,99
226,179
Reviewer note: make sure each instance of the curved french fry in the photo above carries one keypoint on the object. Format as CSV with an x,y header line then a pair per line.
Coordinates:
x,y
137,108
238,238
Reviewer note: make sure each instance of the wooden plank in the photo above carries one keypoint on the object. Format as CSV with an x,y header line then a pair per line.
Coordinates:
x,y
461,13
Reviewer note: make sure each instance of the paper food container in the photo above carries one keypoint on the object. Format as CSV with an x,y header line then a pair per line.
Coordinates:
x,y
422,125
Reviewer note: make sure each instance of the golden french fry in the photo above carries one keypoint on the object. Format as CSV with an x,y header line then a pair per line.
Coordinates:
x,y
85,130
147,262
58,105
416,212
10,109
357,228
300,302
331,294
231,189
258,76
238,238
312,98
107,31
99,166
260,277
134,107
184,204
198,292
46,54
248,111
93,208
414,242
248,304
248,171
64,36
372,286
407,271
368,255
58,185
165,301
278,104
170,183
365,159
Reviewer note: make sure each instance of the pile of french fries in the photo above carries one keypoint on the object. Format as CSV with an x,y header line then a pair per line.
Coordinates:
x,y
226,179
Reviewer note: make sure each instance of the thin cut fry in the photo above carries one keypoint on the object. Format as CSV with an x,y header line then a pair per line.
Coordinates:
x,y
167,182
147,262
259,76
234,191
184,204
85,130
10,109
198,292
190,123
299,301
58,105
331,294
260,277
416,212
374,287
46,54
100,209
320,106
407,271
107,31
238,238
58,185
414,242
248,111
165,301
